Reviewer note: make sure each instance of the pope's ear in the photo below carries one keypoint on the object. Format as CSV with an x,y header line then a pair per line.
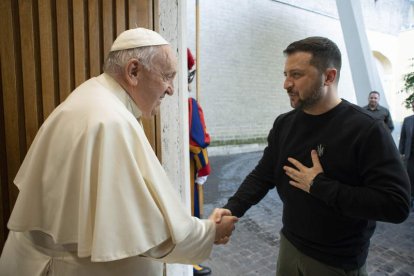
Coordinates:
x,y
132,70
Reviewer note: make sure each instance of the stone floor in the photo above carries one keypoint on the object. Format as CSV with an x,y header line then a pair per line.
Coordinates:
x,y
253,249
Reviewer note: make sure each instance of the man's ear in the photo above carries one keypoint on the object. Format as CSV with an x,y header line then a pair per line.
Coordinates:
x,y
132,70
330,76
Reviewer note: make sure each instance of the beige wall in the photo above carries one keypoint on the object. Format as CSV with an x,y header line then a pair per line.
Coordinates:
x,y
241,61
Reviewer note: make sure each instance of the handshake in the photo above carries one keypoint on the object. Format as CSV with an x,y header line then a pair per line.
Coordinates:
x,y
224,224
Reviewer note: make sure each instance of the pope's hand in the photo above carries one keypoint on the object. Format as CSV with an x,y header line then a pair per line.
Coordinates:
x,y
225,224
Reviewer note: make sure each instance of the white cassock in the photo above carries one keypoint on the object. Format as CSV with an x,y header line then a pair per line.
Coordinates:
x,y
94,199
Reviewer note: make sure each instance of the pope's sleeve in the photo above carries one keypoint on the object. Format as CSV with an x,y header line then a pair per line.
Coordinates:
x,y
195,248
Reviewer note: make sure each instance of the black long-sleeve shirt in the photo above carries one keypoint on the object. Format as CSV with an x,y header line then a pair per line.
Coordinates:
x,y
363,181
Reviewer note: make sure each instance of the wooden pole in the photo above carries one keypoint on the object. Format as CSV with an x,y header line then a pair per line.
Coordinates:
x,y
200,187
197,31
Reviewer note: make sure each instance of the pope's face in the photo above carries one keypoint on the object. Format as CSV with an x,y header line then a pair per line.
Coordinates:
x,y
154,84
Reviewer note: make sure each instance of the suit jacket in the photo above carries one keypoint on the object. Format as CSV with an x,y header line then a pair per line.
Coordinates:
x,y
406,137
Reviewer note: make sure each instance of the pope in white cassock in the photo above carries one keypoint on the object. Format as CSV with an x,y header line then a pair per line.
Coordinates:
x,y
93,197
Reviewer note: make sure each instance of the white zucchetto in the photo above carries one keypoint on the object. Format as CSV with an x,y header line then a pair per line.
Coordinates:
x,y
138,37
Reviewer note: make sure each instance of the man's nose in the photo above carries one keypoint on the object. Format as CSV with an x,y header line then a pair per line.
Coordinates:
x,y
287,84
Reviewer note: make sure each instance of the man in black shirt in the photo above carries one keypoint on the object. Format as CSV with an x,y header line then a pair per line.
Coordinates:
x,y
379,111
335,168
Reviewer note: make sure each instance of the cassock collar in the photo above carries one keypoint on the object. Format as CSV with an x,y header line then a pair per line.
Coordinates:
x,y
120,93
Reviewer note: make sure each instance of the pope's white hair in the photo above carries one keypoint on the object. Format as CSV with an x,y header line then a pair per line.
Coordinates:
x,y
116,60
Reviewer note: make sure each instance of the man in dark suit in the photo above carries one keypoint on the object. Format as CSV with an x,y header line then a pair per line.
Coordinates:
x,y
406,148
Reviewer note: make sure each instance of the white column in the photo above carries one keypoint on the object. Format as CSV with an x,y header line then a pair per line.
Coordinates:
x,y
174,110
364,71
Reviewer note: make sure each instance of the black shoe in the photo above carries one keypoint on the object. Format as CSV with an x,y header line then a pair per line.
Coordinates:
x,y
201,270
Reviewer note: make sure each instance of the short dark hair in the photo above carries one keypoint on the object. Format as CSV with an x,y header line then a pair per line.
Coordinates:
x,y
325,53
374,92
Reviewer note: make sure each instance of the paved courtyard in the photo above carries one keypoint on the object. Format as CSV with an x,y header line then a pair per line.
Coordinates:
x,y
253,249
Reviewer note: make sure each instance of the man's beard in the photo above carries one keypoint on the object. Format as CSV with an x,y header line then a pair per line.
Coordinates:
x,y
314,97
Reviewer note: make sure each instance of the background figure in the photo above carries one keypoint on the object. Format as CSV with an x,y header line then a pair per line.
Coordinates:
x,y
406,148
335,169
93,196
379,111
199,164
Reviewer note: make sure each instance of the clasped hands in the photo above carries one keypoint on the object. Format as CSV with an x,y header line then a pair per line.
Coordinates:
x,y
302,176
225,224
